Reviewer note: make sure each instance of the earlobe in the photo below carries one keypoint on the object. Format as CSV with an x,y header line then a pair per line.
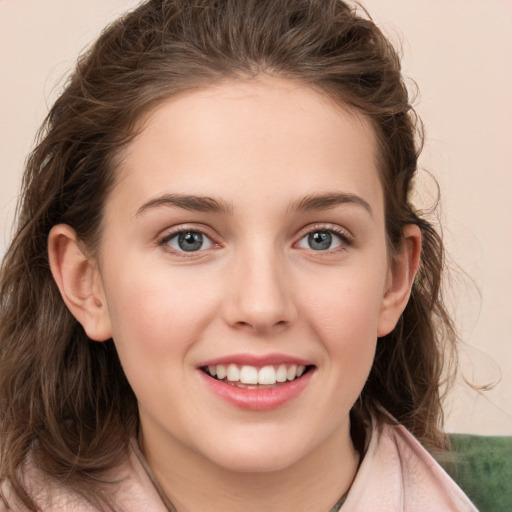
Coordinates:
x,y
402,272
79,282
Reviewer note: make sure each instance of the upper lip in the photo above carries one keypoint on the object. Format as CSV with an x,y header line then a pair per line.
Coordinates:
x,y
256,360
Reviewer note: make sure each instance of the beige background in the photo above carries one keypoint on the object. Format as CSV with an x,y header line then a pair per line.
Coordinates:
x,y
460,54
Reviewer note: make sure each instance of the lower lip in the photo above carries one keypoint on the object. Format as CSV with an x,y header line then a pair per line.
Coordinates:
x,y
263,399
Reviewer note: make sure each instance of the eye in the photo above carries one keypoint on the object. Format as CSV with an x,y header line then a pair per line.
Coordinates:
x,y
321,240
188,241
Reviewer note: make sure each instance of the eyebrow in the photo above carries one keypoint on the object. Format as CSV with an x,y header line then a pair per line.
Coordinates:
x,y
187,202
210,205
328,201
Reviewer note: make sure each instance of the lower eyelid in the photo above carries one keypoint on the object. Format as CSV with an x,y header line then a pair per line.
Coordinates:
x,y
339,243
165,240
344,237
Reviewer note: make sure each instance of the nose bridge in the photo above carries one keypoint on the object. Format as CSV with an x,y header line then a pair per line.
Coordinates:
x,y
260,295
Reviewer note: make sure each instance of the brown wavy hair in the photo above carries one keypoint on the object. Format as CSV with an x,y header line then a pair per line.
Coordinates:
x,y
65,402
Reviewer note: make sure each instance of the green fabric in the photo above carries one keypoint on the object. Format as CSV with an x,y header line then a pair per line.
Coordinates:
x,y
482,467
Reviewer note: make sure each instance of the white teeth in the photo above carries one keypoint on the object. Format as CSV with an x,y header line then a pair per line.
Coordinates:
x,y
233,373
281,373
292,372
221,371
249,375
267,375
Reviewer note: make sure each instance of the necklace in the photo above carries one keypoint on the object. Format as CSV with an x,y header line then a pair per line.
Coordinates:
x,y
340,503
170,507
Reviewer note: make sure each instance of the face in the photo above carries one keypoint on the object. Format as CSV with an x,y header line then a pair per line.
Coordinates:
x,y
244,270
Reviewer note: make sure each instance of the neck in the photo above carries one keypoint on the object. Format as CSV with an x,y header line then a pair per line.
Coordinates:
x,y
314,483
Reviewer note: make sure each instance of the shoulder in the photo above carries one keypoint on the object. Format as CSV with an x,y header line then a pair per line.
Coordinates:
x,y
398,474
46,494
129,489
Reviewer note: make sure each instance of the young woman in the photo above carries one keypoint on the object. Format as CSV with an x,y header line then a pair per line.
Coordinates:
x,y
219,296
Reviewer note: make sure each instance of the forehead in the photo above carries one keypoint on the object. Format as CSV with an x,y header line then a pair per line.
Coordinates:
x,y
241,139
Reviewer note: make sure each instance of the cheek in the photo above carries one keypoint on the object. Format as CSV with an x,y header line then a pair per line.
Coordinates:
x,y
349,334
157,313
350,304
344,324
345,318
155,326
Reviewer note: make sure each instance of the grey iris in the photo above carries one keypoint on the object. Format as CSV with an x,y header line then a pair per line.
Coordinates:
x,y
320,240
190,241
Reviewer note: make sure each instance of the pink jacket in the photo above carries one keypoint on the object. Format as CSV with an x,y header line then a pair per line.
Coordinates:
x,y
396,475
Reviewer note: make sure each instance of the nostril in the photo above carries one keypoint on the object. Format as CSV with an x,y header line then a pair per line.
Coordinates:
x,y
262,328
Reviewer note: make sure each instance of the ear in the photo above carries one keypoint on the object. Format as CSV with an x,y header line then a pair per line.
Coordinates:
x,y
402,272
79,282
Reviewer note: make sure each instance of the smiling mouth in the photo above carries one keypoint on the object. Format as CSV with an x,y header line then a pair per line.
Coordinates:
x,y
252,377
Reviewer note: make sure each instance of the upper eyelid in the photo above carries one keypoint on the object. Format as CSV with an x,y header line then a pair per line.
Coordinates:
x,y
162,242
344,235
170,232
318,226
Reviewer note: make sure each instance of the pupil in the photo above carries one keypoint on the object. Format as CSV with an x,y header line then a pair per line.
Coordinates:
x,y
320,240
190,241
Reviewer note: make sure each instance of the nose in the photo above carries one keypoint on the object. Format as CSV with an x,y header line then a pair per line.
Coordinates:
x,y
260,296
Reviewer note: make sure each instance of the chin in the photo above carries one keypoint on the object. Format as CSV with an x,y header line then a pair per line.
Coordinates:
x,y
250,455
266,463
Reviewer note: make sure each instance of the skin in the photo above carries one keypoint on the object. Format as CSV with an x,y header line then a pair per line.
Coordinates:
x,y
256,287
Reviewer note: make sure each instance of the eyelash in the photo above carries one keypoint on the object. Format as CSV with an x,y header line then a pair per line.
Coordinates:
x,y
344,236
164,241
